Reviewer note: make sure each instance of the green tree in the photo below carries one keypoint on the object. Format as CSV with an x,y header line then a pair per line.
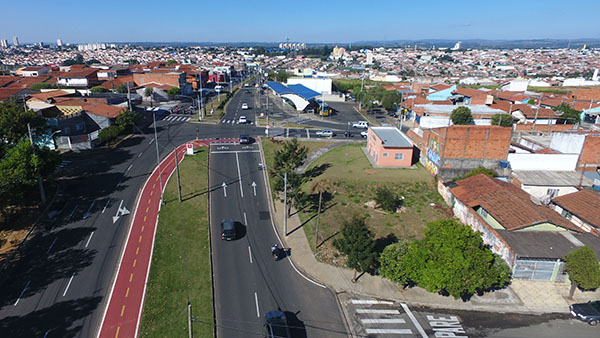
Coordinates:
x,y
43,85
583,268
174,91
98,89
148,92
91,62
479,170
569,115
109,133
386,199
390,99
503,120
13,123
290,157
461,115
18,174
531,101
282,76
122,88
171,62
453,259
127,120
391,262
357,244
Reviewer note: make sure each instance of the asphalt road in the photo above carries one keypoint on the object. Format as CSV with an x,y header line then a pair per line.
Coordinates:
x,y
249,282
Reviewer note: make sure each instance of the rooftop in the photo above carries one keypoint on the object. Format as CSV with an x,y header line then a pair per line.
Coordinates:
x,y
447,109
583,204
392,137
547,244
552,178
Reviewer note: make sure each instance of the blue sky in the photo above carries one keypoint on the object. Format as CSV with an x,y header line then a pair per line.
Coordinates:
x,y
300,20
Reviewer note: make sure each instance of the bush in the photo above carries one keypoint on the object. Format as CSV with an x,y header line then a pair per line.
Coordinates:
x,y
480,170
110,133
357,245
98,89
503,120
461,115
392,262
386,199
174,91
43,85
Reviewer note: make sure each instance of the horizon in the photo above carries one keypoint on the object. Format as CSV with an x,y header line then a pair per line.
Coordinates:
x,y
340,22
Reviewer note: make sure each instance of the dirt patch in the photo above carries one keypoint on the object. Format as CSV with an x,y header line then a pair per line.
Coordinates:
x,y
10,239
370,171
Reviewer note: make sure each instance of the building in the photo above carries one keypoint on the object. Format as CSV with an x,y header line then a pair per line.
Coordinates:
x,y
15,41
4,43
388,147
581,208
297,95
172,78
34,71
59,42
548,184
457,45
531,237
319,85
440,92
455,150
79,77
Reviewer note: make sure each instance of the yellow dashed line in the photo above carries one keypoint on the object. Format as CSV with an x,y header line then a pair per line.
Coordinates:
x,y
137,251
130,277
122,310
127,293
134,261
151,193
117,334
147,208
154,186
144,218
140,240
142,228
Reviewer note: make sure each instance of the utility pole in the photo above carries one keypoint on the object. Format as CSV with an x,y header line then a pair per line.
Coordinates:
x,y
190,331
178,181
129,97
285,204
157,157
40,181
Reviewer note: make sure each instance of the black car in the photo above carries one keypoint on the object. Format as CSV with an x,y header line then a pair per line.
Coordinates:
x,y
227,229
245,139
277,325
588,312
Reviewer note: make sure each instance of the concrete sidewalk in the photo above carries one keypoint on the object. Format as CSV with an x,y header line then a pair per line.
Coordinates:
x,y
521,296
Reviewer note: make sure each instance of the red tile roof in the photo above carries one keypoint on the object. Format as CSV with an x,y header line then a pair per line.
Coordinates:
x,y
45,96
507,204
584,204
470,92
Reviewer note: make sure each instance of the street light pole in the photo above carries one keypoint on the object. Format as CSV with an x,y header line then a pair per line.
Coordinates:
x,y
178,179
285,204
157,157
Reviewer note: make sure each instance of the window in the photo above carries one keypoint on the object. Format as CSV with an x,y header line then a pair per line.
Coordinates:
x,y
566,214
399,156
551,193
483,213
385,154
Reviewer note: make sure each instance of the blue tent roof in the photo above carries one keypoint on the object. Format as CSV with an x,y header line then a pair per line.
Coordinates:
x,y
303,91
279,88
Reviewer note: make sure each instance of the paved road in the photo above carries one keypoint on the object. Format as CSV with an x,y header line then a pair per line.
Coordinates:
x,y
248,281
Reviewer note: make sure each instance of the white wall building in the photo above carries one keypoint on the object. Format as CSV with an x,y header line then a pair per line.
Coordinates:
x,y
322,86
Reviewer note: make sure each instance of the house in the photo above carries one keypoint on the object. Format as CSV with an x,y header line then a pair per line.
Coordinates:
x,y
79,78
581,208
469,96
455,150
433,115
440,92
388,147
171,78
531,237
34,71
548,184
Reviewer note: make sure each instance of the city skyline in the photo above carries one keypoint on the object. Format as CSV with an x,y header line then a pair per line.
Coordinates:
x,y
310,22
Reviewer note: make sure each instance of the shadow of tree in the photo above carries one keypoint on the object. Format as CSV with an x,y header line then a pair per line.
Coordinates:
x,y
382,242
316,171
59,320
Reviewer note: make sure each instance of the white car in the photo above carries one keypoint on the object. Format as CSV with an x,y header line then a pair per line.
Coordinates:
x,y
361,124
242,120
325,133
244,106
364,134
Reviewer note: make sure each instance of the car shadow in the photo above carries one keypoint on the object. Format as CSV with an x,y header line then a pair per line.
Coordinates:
x,y
297,328
240,230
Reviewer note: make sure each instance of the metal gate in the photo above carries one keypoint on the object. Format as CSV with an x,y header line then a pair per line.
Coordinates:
x,y
538,270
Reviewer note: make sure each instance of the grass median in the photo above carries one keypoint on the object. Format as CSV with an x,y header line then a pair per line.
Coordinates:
x,y
181,258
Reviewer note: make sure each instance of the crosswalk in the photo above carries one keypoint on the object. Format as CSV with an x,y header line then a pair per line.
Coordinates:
x,y
382,318
234,121
177,118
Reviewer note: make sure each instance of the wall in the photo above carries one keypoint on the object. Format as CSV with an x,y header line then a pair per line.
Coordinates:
x,y
567,143
390,159
318,85
542,191
173,79
543,161
73,82
573,219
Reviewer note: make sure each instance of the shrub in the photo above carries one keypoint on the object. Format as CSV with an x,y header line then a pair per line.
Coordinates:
x,y
386,199
110,133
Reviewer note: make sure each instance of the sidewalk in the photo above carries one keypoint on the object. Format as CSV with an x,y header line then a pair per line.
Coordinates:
x,y
521,296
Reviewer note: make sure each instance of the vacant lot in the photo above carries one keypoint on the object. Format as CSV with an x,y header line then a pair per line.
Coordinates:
x,y
349,183
181,259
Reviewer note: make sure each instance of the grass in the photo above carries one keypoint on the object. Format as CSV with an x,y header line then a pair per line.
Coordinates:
x,y
351,182
181,244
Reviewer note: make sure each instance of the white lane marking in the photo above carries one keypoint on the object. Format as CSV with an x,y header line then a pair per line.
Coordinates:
x,y
72,212
250,254
140,154
370,301
383,321
68,284
245,219
378,311
257,310
388,331
151,141
129,168
287,132
307,134
89,239
234,151
414,320
22,293
87,213
106,205
51,245
237,161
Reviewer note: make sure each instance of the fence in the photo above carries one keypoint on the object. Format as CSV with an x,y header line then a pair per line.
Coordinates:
x,y
77,142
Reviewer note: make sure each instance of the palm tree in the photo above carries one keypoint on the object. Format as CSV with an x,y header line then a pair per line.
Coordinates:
x,y
320,187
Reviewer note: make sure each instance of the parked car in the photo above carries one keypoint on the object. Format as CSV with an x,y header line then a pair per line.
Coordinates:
x,y
588,312
325,133
361,124
244,106
277,325
242,120
364,134
245,139
218,88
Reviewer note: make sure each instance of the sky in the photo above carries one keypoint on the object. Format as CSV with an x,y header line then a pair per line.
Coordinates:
x,y
309,21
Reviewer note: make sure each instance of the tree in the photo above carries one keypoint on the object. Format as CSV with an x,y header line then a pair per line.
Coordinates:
x,y
583,268
569,115
91,62
357,245
122,88
479,170
98,89
386,199
174,91
149,92
126,120
290,157
461,115
171,62
320,186
503,120
531,101
18,173
453,259
109,133
282,76
13,124
391,262
390,99
43,85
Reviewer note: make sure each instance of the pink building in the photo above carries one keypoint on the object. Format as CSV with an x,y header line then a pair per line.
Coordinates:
x,y
389,147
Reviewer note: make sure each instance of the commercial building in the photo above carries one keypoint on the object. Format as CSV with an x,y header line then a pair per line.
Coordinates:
x,y
388,147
